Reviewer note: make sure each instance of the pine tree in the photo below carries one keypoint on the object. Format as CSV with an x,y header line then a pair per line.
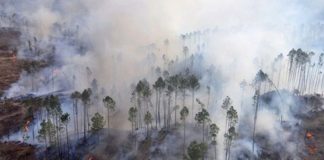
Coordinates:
x,y
132,113
259,78
183,116
75,96
42,133
98,123
85,97
202,117
232,119
148,120
159,85
110,104
65,119
213,132
197,151
193,85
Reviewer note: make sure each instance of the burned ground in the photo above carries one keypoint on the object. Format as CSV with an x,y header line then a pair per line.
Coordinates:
x,y
13,113
308,111
17,151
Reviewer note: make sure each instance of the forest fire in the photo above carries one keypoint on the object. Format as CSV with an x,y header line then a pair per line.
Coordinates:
x,y
310,143
26,128
91,157
10,68
309,135
95,80
312,149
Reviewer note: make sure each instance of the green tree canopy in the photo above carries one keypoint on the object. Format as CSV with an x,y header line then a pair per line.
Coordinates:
x,y
85,96
75,95
193,82
227,102
159,84
109,103
232,116
184,113
148,118
196,151
202,116
132,112
98,122
214,129
65,118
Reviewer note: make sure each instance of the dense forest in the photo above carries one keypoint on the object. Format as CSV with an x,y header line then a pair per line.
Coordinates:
x,y
116,80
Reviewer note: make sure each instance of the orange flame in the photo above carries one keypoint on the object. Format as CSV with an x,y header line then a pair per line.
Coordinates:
x,y
91,158
26,126
309,135
312,149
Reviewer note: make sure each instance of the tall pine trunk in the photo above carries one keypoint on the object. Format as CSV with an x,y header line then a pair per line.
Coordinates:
x,y
156,108
255,116
203,129
229,152
67,140
77,118
84,121
88,119
169,111
159,108
164,113
139,112
175,115
108,117
215,152
192,104
184,138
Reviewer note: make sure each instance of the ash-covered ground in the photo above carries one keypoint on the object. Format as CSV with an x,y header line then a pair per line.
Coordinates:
x,y
200,79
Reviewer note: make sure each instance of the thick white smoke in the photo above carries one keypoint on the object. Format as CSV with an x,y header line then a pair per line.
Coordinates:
x,y
116,35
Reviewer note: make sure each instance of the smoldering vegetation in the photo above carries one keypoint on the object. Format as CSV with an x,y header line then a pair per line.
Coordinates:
x,y
100,90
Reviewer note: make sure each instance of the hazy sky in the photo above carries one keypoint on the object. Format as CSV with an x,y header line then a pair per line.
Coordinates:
x,y
250,33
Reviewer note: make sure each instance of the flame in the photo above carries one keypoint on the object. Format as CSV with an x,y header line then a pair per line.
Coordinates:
x,y
312,149
26,129
309,135
91,158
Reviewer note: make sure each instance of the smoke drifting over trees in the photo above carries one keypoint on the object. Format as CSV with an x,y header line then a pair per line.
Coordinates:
x,y
167,80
